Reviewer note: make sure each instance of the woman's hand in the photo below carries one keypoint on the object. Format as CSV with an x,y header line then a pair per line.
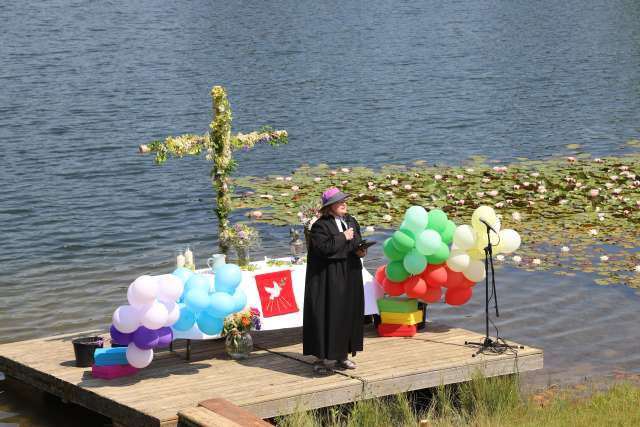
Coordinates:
x,y
348,234
362,252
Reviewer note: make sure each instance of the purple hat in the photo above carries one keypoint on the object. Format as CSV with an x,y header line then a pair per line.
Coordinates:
x,y
331,196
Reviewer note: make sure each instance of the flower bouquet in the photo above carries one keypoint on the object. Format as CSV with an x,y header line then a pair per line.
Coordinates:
x,y
242,238
308,215
238,342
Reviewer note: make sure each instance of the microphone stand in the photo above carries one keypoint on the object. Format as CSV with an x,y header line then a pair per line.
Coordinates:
x,y
497,345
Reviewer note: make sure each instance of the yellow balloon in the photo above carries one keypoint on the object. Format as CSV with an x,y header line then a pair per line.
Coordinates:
x,y
476,253
486,213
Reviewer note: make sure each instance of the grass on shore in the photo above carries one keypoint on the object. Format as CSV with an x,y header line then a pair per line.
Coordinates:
x,y
482,402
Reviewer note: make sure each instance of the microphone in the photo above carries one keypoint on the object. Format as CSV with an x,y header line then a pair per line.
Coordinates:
x,y
488,225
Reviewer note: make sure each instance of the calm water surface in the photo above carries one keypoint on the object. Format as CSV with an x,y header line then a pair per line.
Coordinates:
x,y
83,83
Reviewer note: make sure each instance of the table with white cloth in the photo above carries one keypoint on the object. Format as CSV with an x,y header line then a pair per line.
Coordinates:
x,y
372,292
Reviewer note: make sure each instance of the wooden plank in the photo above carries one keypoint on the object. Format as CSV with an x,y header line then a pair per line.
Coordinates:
x,y
202,417
230,411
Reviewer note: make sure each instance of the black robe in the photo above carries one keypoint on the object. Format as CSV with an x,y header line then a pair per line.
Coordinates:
x,y
333,295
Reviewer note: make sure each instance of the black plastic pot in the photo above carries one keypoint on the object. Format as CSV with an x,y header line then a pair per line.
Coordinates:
x,y
84,348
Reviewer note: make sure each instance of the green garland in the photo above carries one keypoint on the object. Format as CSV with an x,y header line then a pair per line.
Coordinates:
x,y
219,144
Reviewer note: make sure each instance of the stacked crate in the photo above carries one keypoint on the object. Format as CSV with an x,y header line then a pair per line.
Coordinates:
x,y
399,317
111,363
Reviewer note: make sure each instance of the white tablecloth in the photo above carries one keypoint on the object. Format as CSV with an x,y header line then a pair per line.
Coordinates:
x,y
372,292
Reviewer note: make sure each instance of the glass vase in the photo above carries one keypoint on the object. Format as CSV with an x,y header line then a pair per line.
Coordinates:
x,y
243,256
238,345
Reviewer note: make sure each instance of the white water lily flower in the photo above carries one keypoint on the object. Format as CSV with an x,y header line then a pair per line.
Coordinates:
x,y
493,193
266,196
609,185
333,173
542,189
317,179
437,177
387,217
637,268
613,177
536,261
526,184
360,194
388,193
499,204
500,257
571,159
516,186
279,178
617,190
460,202
284,194
413,196
345,182
369,229
407,187
480,194
295,188
517,259
459,176
345,170
565,249
597,160
624,168
288,178
394,182
535,174
563,201
593,232
604,258
578,184
531,202
594,192
469,170
256,214
486,180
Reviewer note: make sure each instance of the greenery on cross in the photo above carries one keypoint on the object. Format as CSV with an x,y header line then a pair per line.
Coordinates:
x,y
218,145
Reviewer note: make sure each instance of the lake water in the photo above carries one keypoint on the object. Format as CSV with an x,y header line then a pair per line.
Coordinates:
x,y
83,83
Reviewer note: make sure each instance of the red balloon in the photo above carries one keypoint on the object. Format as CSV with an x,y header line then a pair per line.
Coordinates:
x,y
414,287
381,273
435,275
395,289
455,280
467,283
432,295
458,296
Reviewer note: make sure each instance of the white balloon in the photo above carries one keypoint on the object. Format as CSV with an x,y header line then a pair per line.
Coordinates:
x,y
126,319
174,312
475,272
143,290
137,303
458,260
483,212
464,237
509,241
137,357
481,239
154,315
170,288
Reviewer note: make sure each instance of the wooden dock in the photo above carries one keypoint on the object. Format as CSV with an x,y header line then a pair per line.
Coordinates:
x,y
275,380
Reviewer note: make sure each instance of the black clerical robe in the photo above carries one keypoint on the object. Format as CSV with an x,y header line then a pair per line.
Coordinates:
x,y
333,295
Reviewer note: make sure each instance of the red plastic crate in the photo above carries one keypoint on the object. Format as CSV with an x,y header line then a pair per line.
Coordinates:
x,y
392,330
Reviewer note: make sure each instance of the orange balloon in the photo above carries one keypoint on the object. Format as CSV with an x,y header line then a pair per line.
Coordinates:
x,y
432,295
395,289
435,275
414,287
381,273
458,296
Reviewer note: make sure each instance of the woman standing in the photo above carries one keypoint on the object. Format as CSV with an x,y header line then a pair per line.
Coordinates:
x,y
334,295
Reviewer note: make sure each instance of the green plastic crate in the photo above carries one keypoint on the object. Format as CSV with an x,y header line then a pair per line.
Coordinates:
x,y
397,305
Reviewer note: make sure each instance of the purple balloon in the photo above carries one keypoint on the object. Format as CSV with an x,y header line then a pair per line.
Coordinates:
x,y
145,339
120,337
165,337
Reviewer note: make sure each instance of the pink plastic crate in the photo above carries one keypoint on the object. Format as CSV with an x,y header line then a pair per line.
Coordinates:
x,y
112,371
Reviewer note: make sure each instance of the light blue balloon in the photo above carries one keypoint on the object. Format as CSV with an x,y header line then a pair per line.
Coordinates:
x,y
186,320
428,242
227,278
208,324
197,281
240,300
197,300
183,273
221,304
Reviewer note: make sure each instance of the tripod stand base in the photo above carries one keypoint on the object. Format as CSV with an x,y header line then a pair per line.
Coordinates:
x,y
495,345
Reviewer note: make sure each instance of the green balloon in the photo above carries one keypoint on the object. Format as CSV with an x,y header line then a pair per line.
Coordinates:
x,y
414,262
396,271
390,251
437,220
404,240
416,218
440,256
447,234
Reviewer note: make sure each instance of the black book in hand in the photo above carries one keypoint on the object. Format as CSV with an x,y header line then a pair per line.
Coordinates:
x,y
366,244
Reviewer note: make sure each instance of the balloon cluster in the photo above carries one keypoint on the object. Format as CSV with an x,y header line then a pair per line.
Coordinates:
x,y
417,253
145,323
200,306
469,242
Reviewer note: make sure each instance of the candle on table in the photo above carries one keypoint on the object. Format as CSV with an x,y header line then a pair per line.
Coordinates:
x,y
180,260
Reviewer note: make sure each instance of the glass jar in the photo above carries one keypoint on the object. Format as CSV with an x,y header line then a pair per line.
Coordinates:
x,y
243,256
238,345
